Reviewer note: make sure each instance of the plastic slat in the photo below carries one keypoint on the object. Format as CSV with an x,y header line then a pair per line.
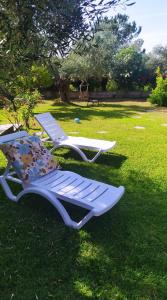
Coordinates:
x,y
82,185
91,192
66,184
54,185
78,190
50,125
52,176
13,136
96,194
71,187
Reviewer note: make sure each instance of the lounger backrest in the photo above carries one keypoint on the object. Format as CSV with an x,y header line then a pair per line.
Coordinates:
x,y
13,136
50,125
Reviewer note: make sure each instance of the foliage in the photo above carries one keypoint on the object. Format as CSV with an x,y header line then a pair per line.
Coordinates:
x,y
159,94
158,58
29,101
75,67
37,76
95,58
117,29
41,77
22,110
72,88
147,87
38,31
11,111
153,60
50,26
110,36
128,67
112,86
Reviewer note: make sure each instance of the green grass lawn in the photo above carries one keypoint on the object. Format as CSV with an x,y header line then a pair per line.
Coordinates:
x,y
120,255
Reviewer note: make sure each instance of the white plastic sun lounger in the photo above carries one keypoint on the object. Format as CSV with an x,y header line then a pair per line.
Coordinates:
x,y
59,186
60,139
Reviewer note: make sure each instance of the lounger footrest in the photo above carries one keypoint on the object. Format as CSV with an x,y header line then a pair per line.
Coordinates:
x,y
87,143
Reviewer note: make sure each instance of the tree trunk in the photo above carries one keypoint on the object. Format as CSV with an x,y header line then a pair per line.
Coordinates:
x,y
64,90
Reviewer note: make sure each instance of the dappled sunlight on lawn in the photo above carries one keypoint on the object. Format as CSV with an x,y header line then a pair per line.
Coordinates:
x,y
120,253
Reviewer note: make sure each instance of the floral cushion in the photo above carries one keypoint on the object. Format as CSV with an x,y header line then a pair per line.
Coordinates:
x,y
29,158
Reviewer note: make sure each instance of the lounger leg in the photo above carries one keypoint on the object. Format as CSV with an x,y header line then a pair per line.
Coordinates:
x,y
96,156
5,185
80,224
79,151
7,189
57,204
84,157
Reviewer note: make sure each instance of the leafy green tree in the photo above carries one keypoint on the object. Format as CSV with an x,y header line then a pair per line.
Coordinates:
x,y
38,30
159,94
128,68
157,58
110,36
96,58
75,67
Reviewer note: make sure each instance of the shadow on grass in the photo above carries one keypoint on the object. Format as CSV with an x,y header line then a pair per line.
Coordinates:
x,y
127,245
120,104
86,113
121,253
112,159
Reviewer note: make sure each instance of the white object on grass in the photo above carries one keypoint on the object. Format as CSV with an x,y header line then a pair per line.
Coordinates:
x,y
137,117
139,127
102,132
60,139
59,186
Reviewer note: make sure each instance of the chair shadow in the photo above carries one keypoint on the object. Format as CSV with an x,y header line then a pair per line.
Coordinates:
x,y
113,159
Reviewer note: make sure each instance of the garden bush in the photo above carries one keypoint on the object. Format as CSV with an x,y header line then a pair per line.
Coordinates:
x,y
159,94
72,88
112,86
147,87
20,110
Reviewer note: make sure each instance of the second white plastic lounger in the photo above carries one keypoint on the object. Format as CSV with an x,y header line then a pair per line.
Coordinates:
x,y
60,139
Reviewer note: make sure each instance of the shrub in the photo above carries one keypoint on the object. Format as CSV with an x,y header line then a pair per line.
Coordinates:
x,y
159,94
112,86
147,87
28,102
72,88
20,110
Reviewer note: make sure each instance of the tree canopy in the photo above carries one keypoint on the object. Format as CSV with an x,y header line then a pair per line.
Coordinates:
x,y
128,68
97,57
158,58
38,30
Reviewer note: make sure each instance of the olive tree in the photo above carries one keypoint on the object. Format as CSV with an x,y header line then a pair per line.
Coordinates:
x,y
40,30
